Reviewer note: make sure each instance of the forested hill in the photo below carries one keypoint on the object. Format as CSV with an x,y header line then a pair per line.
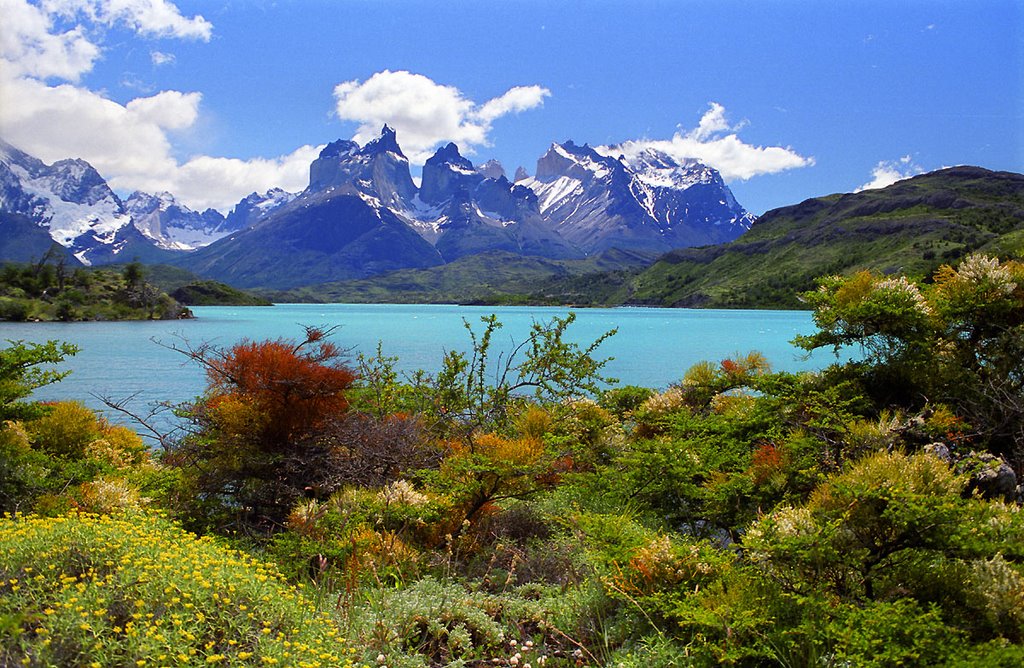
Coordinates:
x,y
49,290
911,227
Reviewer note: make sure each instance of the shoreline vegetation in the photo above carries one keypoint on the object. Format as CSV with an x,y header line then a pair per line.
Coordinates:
x,y
47,290
523,510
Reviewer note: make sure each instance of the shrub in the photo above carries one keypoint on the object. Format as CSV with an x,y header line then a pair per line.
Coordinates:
x,y
623,401
20,375
66,431
256,445
87,590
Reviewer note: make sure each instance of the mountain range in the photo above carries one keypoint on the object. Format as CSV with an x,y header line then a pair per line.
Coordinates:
x,y
70,204
911,227
362,214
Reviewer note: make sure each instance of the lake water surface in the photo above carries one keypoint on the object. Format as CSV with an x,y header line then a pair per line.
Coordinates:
x,y
653,347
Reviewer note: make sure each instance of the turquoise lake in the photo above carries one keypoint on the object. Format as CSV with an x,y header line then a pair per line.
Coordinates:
x,y
653,347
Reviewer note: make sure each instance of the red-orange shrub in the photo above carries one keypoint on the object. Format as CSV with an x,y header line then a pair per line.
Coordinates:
x,y
295,388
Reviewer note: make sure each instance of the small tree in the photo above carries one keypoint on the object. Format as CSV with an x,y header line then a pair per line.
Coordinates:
x,y
475,417
20,375
255,447
959,341
544,367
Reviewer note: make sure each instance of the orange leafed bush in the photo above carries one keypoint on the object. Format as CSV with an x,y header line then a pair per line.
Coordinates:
x,y
294,387
766,461
525,450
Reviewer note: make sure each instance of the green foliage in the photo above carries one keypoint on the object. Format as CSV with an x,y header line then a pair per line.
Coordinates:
x,y
513,509
624,400
545,366
84,590
896,526
45,291
66,430
20,374
69,458
958,341
214,293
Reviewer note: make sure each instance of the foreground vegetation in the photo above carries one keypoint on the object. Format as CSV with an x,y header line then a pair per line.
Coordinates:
x,y
522,510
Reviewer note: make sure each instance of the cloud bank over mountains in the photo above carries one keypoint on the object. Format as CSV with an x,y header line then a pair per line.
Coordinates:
x,y
48,48
45,51
716,142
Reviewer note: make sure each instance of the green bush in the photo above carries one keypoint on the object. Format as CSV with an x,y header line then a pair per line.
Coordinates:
x,y
86,590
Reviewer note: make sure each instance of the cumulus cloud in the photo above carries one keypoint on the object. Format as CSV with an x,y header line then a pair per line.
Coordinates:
x,y
129,144
425,113
55,122
888,172
31,45
211,182
716,142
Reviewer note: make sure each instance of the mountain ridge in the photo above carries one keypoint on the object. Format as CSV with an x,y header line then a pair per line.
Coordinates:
x,y
457,211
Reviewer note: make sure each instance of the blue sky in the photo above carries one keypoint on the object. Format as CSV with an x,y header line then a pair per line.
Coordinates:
x,y
790,100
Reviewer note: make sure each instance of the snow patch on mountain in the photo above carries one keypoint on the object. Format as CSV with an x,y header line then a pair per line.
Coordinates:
x,y
68,198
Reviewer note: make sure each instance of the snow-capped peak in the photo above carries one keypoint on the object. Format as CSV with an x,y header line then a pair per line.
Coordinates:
x,y
492,169
657,168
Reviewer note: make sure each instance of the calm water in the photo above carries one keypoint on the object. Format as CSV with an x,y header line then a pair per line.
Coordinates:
x,y
653,347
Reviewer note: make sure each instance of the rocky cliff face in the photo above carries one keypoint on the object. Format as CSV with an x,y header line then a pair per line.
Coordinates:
x,y
648,202
379,170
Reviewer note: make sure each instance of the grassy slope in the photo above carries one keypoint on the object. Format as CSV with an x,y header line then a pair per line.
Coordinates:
x,y
484,278
911,227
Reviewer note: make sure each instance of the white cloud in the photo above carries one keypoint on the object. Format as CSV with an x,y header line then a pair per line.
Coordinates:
x,y
156,18
888,172
425,113
55,122
127,143
716,143
160,58
208,182
31,45
515,100
169,109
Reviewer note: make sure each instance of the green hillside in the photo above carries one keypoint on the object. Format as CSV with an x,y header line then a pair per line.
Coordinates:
x,y
911,227
193,290
496,277
49,290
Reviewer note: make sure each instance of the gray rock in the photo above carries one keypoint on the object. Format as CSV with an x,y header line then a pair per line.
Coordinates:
x,y
939,450
990,476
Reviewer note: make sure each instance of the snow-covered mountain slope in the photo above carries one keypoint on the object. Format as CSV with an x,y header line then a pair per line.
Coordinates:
x,y
649,201
363,207
255,206
68,198
173,225
78,209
